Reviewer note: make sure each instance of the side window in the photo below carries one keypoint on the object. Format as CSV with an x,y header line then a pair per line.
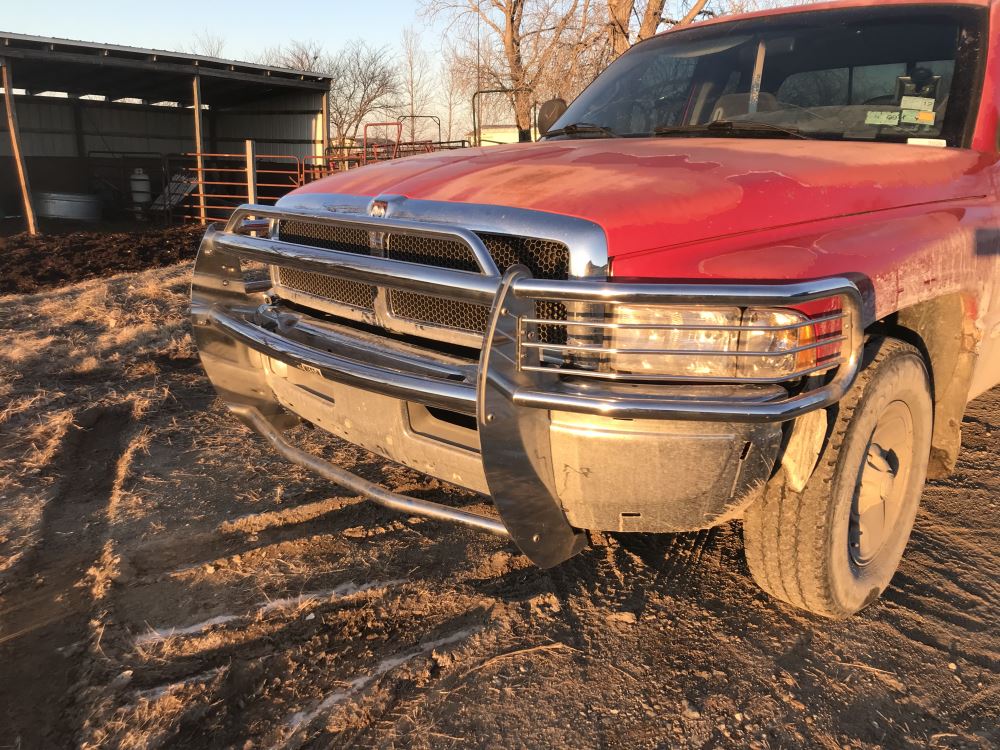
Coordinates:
x,y
815,88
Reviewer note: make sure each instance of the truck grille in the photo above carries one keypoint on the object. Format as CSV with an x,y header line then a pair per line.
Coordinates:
x,y
345,239
353,293
431,251
438,311
547,259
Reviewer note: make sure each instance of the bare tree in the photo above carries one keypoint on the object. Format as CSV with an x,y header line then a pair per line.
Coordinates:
x,y
295,55
581,56
649,16
415,85
205,43
521,38
455,91
365,83
619,25
364,79
652,16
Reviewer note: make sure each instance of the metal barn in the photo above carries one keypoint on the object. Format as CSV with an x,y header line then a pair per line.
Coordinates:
x,y
79,119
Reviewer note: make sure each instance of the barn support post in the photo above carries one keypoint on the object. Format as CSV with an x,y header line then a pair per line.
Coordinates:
x,y
325,131
199,150
251,151
6,79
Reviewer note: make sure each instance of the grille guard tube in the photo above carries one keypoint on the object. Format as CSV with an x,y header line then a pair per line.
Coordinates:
x,y
376,493
517,455
447,394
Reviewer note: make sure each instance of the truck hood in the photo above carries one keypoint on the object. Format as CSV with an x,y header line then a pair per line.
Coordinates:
x,y
660,192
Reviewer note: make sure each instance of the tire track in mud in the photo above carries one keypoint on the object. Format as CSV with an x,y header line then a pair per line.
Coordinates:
x,y
45,605
623,572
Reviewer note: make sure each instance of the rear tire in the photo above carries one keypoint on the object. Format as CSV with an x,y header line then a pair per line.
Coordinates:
x,y
834,547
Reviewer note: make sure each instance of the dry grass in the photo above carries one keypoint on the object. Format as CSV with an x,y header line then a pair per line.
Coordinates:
x,y
256,522
150,720
63,352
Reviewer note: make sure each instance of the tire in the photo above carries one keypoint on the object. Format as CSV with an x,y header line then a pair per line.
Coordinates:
x,y
833,548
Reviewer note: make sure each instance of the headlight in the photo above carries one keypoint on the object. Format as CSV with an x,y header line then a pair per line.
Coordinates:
x,y
774,331
704,342
653,340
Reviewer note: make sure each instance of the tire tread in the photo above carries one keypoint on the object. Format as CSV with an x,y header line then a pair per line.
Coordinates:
x,y
785,532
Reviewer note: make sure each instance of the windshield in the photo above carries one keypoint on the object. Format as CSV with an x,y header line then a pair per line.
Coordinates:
x,y
860,74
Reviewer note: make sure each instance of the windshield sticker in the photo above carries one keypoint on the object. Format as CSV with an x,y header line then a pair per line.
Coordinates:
x,y
937,142
882,118
917,117
923,103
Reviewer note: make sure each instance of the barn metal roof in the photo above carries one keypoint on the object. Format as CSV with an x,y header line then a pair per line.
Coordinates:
x,y
89,68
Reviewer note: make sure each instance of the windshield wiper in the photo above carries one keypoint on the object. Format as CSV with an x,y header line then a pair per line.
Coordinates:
x,y
583,128
730,127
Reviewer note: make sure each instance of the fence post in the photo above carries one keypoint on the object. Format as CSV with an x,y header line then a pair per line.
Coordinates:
x,y
251,155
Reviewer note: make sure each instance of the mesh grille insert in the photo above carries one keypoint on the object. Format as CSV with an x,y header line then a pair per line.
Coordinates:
x,y
345,239
431,251
546,259
448,313
549,310
346,291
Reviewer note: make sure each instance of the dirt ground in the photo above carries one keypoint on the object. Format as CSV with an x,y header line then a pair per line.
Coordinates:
x,y
68,253
165,581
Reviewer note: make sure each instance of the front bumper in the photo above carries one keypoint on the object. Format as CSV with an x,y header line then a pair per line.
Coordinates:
x,y
556,453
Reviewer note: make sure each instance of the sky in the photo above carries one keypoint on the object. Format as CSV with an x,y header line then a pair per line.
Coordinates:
x,y
246,26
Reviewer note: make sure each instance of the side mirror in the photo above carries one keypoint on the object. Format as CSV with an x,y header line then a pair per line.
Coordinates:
x,y
548,113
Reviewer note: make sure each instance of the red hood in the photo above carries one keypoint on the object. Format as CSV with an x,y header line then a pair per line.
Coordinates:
x,y
649,193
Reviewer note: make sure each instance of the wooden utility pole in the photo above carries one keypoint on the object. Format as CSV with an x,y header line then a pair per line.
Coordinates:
x,y
6,79
199,150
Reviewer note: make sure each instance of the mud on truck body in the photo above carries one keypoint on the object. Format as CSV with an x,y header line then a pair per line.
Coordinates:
x,y
751,272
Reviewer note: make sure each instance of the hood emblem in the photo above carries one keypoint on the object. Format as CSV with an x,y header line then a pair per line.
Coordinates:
x,y
376,240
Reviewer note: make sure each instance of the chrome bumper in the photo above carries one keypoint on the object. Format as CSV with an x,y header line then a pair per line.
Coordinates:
x,y
511,396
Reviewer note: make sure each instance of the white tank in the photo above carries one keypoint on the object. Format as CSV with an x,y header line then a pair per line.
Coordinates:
x,y
141,195
139,182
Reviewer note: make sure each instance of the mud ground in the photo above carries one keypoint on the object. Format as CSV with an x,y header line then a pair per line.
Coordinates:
x,y
165,581
67,253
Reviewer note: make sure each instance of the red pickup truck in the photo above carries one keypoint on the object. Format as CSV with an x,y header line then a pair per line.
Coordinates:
x,y
751,272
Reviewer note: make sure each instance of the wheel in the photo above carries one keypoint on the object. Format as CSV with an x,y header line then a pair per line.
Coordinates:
x,y
833,548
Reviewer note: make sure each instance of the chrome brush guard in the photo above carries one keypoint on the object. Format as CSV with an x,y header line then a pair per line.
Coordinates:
x,y
510,390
